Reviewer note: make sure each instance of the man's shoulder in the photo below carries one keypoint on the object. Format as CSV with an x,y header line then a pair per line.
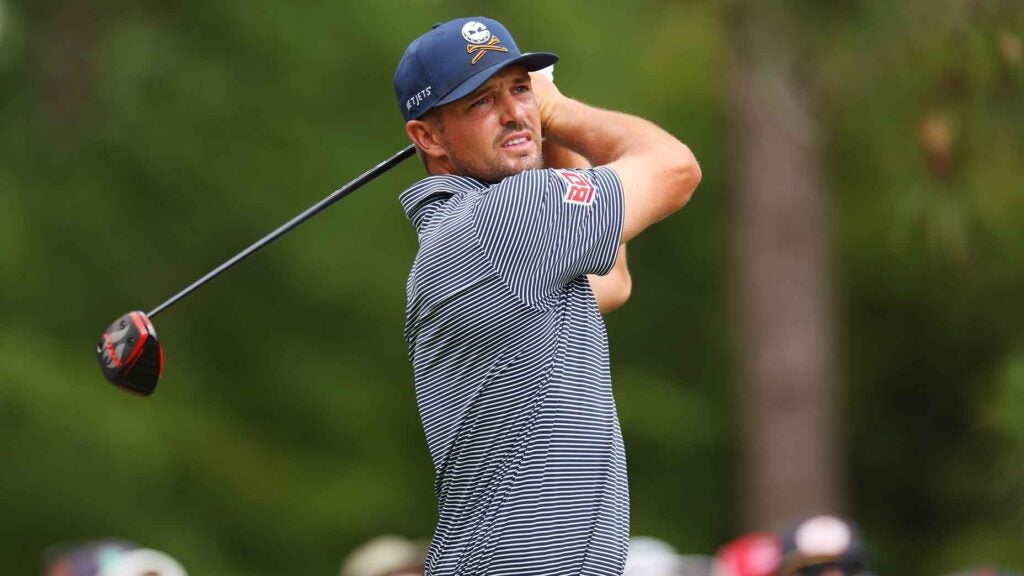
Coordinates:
x,y
572,185
559,176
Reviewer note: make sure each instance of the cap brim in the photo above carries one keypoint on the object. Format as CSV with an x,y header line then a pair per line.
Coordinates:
x,y
533,61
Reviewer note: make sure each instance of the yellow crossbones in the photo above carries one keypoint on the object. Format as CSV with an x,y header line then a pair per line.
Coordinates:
x,y
482,49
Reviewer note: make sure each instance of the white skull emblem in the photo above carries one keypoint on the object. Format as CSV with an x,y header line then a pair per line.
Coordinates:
x,y
475,33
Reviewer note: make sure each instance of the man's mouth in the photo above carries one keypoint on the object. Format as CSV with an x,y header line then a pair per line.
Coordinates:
x,y
517,140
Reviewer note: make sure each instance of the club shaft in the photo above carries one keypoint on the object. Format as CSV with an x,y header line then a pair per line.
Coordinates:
x,y
313,210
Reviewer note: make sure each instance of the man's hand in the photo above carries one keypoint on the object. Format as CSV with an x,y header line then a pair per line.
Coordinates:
x,y
547,95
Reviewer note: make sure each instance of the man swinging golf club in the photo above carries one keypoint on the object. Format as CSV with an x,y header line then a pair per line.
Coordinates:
x,y
508,348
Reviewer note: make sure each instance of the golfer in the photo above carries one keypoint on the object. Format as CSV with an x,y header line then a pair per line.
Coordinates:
x,y
505,334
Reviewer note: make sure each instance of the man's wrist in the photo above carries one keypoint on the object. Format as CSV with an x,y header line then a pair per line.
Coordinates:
x,y
556,119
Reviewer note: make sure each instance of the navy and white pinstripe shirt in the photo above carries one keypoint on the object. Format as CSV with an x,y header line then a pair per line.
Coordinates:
x,y
510,359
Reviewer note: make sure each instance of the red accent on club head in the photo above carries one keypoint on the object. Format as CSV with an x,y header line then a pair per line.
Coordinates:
x,y
108,343
138,369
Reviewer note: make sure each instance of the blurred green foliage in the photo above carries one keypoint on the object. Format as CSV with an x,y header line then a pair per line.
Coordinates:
x,y
143,143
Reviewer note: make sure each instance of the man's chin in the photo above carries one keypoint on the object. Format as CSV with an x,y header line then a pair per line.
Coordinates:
x,y
503,168
523,163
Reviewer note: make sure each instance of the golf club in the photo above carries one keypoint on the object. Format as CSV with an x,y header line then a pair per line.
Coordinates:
x,y
130,355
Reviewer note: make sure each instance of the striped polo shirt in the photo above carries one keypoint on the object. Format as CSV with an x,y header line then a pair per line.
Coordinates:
x,y
510,360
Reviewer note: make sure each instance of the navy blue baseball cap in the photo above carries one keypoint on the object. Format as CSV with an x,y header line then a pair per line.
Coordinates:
x,y
455,58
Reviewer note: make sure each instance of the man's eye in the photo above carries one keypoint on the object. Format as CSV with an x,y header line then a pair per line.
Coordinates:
x,y
480,102
521,89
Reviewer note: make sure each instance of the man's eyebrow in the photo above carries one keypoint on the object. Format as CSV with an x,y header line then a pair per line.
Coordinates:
x,y
486,87
489,85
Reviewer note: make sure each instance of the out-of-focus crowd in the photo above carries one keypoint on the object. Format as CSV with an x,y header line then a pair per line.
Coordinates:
x,y
819,546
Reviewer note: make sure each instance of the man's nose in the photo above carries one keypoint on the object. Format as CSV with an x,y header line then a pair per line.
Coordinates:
x,y
513,110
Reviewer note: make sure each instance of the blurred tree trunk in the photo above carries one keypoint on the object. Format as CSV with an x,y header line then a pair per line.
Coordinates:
x,y
65,47
792,466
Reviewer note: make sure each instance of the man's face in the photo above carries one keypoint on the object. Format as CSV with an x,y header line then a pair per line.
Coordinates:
x,y
494,132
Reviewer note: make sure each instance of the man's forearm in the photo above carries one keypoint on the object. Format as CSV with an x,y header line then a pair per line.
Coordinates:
x,y
613,289
602,136
558,156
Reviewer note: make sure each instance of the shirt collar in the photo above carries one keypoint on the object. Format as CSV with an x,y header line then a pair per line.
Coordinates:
x,y
424,197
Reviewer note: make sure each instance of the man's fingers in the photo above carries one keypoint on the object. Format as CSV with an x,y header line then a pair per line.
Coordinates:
x,y
547,95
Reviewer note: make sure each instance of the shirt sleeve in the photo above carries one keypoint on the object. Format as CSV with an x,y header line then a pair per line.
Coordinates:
x,y
541,229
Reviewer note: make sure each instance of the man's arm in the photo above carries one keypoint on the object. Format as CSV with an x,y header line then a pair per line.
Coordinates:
x,y
613,289
658,172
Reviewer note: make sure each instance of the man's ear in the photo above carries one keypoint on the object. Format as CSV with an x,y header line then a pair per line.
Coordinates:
x,y
426,136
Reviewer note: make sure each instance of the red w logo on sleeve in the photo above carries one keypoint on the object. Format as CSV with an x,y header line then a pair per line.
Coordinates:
x,y
579,189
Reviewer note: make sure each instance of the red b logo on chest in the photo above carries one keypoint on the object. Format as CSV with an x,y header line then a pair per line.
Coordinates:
x,y
578,190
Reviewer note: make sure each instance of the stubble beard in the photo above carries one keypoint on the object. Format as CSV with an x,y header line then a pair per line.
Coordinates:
x,y
502,167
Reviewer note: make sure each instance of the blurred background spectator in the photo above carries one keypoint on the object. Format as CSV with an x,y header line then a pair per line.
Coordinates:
x,y
387,555
823,546
650,556
753,554
108,558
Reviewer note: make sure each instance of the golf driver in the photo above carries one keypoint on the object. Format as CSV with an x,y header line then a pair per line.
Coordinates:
x,y
130,355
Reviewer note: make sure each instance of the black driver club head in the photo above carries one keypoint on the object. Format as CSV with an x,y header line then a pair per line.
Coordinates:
x,y
130,355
